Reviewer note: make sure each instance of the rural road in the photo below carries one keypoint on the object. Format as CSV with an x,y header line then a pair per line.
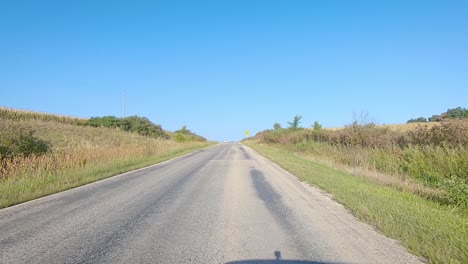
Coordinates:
x,y
224,204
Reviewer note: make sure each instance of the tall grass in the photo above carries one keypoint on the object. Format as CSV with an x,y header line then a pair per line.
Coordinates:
x,y
435,156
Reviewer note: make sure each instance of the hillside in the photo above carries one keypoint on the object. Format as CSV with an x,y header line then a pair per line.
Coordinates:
x,y
41,153
454,113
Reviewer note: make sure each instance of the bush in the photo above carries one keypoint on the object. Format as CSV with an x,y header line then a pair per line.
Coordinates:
x,y
277,126
20,142
417,120
457,113
456,191
317,125
450,133
140,125
184,134
105,121
294,125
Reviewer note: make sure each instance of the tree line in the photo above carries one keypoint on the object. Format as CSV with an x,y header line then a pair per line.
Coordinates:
x,y
455,113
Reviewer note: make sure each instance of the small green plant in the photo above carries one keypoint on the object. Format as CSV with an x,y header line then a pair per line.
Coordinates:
x,y
179,137
317,126
277,126
183,130
417,120
457,191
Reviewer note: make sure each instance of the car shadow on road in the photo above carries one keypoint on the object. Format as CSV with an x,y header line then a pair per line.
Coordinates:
x,y
279,260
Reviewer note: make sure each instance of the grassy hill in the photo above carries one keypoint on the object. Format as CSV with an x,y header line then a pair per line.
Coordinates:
x,y
74,153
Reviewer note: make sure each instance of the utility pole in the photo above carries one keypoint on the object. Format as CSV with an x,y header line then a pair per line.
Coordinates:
x,y
123,103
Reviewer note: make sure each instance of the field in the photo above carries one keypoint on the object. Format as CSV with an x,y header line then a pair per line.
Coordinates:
x,y
76,154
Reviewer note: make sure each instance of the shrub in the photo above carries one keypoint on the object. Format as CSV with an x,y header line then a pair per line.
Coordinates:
x,y
184,134
105,121
277,126
450,133
179,137
184,131
20,142
457,113
317,125
417,120
140,125
435,118
456,191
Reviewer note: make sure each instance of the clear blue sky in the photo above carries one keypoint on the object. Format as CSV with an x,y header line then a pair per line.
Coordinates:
x,y
223,67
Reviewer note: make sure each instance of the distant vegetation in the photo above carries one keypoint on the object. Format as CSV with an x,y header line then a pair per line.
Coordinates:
x,y
294,124
455,113
42,153
140,125
183,135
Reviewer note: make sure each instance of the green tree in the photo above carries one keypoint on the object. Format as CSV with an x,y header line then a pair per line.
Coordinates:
x,y
183,130
277,126
435,118
417,120
295,123
317,125
457,113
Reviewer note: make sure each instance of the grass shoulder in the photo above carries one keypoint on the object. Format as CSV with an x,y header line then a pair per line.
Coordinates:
x,y
431,230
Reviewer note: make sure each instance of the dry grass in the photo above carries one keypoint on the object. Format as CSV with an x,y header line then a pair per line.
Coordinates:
x,y
397,127
409,127
397,181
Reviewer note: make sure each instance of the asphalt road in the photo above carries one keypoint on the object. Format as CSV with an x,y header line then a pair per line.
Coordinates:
x,y
225,204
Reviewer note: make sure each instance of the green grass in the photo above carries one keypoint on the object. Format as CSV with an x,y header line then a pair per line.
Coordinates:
x,y
436,232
